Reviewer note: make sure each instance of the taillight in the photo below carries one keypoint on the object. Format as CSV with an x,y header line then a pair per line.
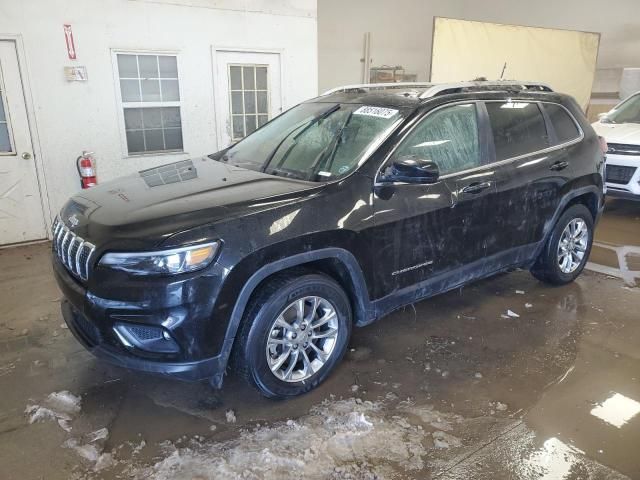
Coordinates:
x,y
603,145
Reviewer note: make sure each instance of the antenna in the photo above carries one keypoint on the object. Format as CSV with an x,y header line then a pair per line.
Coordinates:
x,y
504,67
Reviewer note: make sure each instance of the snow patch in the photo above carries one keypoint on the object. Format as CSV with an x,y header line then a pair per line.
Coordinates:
x,y
337,439
58,407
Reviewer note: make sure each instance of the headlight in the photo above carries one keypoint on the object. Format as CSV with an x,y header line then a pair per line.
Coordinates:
x,y
178,260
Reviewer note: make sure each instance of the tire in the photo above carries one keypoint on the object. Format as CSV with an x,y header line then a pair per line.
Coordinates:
x,y
262,344
548,267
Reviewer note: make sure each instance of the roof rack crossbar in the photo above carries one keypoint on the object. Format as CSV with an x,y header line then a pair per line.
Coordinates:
x,y
378,86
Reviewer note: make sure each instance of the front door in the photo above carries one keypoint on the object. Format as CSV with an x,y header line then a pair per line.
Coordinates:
x,y
427,233
21,215
248,93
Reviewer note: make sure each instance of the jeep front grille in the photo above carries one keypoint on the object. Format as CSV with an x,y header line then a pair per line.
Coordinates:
x,y
73,251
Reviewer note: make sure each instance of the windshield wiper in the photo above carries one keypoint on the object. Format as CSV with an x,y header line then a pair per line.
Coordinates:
x,y
313,121
321,160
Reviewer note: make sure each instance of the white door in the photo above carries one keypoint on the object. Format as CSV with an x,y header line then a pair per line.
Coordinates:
x,y
248,93
21,216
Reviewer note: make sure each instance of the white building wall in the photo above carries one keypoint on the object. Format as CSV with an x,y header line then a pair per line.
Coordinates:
x,y
75,116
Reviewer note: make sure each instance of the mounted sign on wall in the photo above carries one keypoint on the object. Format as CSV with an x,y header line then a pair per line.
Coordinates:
x,y
68,37
75,74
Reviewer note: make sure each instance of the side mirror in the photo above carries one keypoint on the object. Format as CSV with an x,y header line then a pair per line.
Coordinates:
x,y
411,169
603,117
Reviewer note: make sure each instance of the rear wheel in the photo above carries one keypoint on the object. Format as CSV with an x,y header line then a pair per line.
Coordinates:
x,y
295,331
567,250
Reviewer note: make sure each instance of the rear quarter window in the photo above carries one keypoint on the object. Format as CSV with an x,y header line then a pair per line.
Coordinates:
x,y
518,128
564,126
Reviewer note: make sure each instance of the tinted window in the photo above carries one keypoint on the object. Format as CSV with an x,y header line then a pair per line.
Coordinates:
x,y
448,137
518,128
563,124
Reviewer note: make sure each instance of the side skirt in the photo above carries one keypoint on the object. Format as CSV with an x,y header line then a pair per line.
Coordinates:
x,y
485,267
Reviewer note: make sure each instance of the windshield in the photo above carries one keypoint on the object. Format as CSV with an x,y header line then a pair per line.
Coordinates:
x,y
626,112
314,141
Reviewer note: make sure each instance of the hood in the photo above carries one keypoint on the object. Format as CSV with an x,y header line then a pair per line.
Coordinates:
x,y
619,132
156,203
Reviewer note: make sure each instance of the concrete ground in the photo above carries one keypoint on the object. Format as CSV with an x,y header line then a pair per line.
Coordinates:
x,y
507,378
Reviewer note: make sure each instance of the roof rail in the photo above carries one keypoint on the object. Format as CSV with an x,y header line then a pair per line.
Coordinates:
x,y
379,86
456,87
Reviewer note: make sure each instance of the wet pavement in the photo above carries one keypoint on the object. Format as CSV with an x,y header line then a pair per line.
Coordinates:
x,y
616,249
507,378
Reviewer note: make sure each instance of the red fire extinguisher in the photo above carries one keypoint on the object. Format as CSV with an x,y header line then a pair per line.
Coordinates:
x,y
87,170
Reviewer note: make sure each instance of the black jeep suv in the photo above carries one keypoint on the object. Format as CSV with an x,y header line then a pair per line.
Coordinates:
x,y
333,214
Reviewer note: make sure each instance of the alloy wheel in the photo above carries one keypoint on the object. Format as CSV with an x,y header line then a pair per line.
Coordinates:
x,y
573,244
302,338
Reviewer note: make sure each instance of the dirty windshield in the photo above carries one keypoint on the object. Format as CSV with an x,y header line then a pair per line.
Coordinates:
x,y
314,141
627,112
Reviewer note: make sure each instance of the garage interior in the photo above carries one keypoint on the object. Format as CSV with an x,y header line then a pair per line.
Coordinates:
x,y
505,378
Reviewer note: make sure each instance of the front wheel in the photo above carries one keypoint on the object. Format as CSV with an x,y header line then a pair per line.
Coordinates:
x,y
567,250
295,331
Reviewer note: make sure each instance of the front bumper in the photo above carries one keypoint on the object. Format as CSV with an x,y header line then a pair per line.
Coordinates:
x,y
96,323
84,330
631,189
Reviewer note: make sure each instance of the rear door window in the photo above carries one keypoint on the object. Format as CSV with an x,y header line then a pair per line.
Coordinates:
x,y
564,126
518,128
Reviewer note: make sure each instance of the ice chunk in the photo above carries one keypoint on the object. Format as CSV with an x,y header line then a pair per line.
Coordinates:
x,y
445,440
99,434
231,416
64,401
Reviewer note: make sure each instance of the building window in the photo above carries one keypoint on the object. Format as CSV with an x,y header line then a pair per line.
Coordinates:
x,y
5,137
248,98
150,94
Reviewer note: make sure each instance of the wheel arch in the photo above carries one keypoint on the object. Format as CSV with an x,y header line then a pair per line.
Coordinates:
x,y
589,196
338,263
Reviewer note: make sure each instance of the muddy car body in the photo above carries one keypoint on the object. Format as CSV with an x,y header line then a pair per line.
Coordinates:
x,y
385,232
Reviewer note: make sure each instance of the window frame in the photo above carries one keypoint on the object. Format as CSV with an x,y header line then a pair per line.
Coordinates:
x,y
479,132
485,134
551,129
121,105
7,120
255,67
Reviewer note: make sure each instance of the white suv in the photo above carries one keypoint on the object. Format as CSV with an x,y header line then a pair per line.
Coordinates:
x,y
620,127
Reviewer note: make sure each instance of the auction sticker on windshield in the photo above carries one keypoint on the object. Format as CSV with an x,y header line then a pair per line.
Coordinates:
x,y
376,112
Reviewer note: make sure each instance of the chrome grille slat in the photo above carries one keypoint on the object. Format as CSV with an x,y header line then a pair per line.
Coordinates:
x,y
73,251
78,253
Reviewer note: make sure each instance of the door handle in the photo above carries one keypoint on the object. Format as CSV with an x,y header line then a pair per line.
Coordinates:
x,y
557,166
26,156
476,187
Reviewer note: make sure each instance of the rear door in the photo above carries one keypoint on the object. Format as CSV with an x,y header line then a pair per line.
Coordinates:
x,y
531,168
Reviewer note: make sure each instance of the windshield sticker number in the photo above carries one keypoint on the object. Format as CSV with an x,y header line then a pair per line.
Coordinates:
x,y
376,112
